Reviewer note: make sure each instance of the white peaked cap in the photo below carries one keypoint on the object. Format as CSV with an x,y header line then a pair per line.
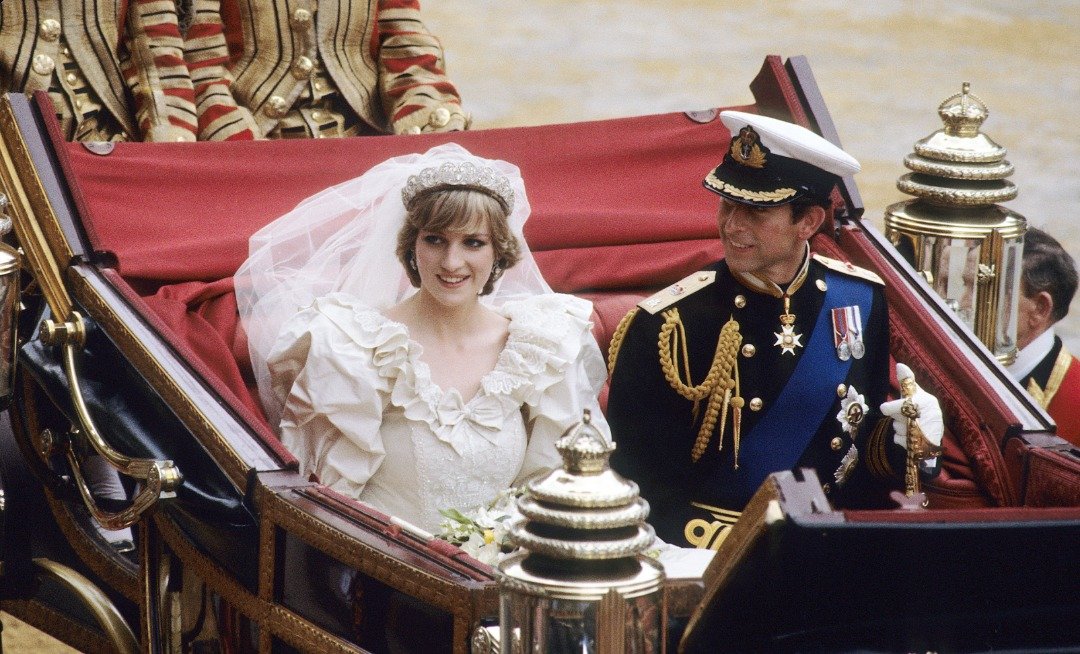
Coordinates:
x,y
794,142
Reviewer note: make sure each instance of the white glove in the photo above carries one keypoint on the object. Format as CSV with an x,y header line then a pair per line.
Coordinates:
x,y
930,419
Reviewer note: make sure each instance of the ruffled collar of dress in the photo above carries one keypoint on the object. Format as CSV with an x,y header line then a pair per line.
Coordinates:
x,y
544,335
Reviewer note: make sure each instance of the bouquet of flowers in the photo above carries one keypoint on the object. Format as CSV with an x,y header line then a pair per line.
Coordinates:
x,y
483,532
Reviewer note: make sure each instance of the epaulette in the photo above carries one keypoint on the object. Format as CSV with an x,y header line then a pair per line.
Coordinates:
x,y
687,285
849,269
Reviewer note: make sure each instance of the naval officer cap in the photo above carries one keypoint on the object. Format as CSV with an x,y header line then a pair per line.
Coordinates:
x,y
772,162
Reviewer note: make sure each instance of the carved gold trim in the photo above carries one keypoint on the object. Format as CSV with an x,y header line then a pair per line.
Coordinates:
x,y
999,170
957,196
440,592
47,251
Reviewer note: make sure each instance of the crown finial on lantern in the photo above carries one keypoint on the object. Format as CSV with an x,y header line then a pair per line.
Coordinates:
x,y
584,449
963,113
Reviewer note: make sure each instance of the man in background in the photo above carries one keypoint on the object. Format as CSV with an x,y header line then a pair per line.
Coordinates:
x,y
114,70
335,68
1044,365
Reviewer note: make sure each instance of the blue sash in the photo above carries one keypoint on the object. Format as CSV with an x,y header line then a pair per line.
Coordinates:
x,y
786,429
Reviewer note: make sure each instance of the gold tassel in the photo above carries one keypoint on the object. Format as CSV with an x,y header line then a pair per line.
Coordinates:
x,y
736,425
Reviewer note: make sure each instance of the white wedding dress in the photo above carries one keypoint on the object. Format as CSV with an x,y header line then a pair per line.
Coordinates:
x,y
361,412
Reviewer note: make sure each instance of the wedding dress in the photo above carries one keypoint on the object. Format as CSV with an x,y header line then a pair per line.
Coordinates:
x,y
348,389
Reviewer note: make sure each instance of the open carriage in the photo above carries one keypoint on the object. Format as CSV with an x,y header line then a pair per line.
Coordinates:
x,y
129,253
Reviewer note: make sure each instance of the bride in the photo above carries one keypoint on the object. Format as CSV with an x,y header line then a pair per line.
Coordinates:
x,y
405,343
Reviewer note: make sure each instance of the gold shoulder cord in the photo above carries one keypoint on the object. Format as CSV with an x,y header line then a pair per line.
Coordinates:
x,y
721,380
617,338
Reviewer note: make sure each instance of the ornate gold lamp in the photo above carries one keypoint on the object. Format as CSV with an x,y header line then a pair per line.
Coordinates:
x,y
967,246
580,583
9,305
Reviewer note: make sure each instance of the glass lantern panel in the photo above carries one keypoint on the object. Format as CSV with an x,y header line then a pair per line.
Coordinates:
x,y
537,625
954,264
1008,298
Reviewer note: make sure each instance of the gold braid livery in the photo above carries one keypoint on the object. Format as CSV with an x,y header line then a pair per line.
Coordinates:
x,y
719,383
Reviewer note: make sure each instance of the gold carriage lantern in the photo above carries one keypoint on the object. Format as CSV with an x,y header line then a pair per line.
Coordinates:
x,y
581,583
954,233
9,305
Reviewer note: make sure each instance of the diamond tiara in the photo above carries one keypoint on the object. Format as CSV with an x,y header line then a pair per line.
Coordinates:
x,y
460,175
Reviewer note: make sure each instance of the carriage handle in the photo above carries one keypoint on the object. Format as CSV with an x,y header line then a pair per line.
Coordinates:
x,y
158,479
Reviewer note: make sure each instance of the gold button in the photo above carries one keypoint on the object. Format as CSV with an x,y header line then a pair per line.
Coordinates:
x,y
415,129
821,285
841,390
703,277
71,78
66,51
321,136
755,404
319,86
740,301
49,29
439,118
749,350
826,488
302,67
275,107
836,444
43,64
78,103
301,17
316,115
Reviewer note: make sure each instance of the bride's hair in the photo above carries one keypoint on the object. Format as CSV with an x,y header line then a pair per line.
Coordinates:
x,y
455,209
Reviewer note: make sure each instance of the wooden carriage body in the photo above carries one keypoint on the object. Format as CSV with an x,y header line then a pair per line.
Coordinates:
x,y
141,241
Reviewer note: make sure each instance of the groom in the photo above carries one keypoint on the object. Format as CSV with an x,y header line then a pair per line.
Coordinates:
x,y
771,359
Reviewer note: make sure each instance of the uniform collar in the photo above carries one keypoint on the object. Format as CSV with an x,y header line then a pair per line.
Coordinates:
x,y
762,285
1032,355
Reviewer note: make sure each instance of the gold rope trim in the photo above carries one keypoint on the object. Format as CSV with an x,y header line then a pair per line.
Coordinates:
x,y
718,386
617,338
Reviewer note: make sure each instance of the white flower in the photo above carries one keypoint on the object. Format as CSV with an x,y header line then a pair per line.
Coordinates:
x,y
482,532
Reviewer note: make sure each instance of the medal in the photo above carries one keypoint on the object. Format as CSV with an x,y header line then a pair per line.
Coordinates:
x,y
847,466
847,333
787,339
858,348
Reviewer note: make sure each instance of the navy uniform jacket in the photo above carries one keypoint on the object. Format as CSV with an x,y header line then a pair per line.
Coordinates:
x,y
655,428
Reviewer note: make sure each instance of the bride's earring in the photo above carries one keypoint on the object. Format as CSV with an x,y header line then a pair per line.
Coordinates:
x,y
412,261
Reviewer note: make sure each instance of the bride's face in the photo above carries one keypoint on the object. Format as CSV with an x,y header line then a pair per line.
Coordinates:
x,y
454,265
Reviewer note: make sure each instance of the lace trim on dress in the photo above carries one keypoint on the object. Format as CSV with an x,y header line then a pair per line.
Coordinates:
x,y
546,335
